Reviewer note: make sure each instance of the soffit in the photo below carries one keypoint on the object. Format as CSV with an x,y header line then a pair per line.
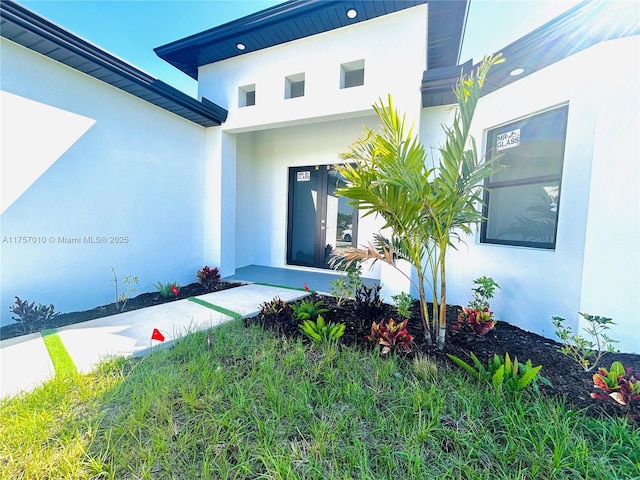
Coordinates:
x,y
581,27
32,31
298,19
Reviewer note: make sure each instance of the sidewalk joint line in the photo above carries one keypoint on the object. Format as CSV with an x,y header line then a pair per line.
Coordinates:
x,y
62,361
217,308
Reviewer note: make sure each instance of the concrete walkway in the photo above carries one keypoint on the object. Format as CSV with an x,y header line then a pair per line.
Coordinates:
x,y
25,362
317,279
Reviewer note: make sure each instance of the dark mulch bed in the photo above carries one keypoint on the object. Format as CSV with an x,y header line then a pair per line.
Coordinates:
x,y
134,303
568,378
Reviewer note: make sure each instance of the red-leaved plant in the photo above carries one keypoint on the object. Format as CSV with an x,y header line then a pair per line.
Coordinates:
x,y
619,385
392,336
474,321
208,277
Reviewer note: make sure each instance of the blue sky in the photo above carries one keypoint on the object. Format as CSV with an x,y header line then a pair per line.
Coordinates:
x,y
131,29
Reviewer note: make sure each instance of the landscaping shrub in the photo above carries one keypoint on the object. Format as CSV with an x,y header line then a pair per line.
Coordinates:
x,y
321,332
474,322
308,310
31,317
502,373
168,289
403,303
208,277
391,336
368,304
276,314
346,286
619,384
129,282
585,352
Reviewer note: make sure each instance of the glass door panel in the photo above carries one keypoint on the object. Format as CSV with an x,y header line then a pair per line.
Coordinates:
x,y
320,222
341,220
304,214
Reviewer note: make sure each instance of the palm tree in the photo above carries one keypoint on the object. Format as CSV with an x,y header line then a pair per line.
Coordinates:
x,y
424,208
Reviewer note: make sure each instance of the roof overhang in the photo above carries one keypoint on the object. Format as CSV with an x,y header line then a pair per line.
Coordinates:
x,y
298,19
579,28
26,28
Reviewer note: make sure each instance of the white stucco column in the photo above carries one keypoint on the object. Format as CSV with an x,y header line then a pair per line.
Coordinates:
x,y
220,201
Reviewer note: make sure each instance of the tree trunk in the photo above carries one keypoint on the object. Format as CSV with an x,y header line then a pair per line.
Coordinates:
x,y
424,311
442,320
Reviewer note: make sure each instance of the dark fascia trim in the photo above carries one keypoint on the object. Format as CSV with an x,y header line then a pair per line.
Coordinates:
x,y
579,28
10,11
438,84
236,30
447,18
205,107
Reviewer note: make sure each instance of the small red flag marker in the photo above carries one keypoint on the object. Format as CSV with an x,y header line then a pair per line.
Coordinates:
x,y
156,335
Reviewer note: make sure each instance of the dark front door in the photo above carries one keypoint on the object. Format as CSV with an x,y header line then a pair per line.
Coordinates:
x,y
320,222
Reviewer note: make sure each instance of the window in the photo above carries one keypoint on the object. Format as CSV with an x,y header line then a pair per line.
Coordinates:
x,y
523,199
247,96
294,86
352,74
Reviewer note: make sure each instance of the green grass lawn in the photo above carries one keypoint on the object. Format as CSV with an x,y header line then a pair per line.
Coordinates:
x,y
241,403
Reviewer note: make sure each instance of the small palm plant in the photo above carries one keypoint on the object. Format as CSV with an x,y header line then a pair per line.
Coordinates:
x,y
425,208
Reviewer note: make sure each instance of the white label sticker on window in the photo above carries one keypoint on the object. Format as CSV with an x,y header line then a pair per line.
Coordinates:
x,y
509,139
303,176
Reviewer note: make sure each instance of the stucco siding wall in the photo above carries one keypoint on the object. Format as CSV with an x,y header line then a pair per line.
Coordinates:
x,y
611,275
537,284
393,48
136,171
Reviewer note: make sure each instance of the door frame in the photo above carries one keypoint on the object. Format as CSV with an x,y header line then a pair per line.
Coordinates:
x,y
321,216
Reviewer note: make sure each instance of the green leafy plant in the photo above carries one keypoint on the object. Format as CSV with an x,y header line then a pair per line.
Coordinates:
x,y
502,373
368,304
276,314
208,277
426,209
346,286
308,310
392,336
585,352
484,291
619,384
30,316
168,289
403,303
129,289
321,332
474,322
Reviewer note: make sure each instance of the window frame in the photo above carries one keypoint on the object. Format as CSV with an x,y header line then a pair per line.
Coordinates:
x,y
348,73
294,86
489,185
247,96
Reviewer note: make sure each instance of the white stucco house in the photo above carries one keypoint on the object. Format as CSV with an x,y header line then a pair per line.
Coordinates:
x,y
105,166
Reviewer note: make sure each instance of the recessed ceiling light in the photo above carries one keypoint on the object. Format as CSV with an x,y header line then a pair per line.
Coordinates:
x,y
240,46
516,71
352,13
